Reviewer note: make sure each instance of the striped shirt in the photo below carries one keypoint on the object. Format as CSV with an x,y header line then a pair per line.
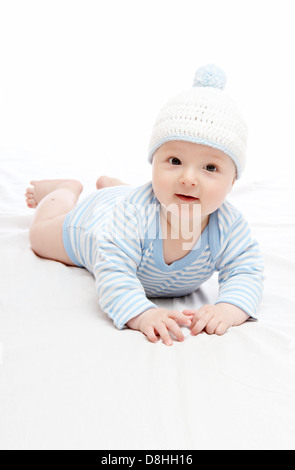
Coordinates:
x,y
116,234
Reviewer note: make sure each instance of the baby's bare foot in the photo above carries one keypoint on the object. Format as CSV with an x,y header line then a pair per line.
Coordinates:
x,y
107,181
41,188
30,198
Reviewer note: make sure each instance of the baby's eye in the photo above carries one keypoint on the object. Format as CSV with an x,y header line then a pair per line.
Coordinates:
x,y
211,168
174,161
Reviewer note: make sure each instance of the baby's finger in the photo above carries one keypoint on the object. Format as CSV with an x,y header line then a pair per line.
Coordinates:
x,y
181,318
189,311
175,329
201,323
212,325
164,334
221,329
150,333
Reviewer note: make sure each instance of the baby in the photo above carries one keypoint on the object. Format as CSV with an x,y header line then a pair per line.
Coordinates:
x,y
167,237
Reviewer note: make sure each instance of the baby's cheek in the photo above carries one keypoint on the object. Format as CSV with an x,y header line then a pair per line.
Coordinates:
x,y
215,199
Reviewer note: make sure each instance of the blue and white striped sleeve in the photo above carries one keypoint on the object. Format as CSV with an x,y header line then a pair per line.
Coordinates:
x,y
119,251
241,270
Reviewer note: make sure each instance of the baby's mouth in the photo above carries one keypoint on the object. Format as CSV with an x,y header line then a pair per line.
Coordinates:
x,y
185,198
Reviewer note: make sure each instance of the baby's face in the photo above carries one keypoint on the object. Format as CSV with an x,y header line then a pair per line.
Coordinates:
x,y
191,174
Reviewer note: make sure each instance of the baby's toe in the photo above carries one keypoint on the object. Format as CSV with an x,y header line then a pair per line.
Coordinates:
x,y
31,202
29,192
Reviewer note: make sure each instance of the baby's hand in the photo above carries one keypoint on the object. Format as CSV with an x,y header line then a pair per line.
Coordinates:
x,y
216,319
159,321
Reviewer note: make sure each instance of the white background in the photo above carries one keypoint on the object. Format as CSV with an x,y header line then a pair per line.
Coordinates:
x,y
82,81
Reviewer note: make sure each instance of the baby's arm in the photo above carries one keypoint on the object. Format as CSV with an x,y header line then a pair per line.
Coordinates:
x,y
240,267
159,321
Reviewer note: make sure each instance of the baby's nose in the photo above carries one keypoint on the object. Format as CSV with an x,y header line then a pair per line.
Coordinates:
x,y
189,178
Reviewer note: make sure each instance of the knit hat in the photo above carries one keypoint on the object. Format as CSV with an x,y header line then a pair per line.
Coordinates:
x,y
206,115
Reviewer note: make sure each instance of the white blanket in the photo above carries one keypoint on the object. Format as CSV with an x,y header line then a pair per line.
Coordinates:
x,y
70,380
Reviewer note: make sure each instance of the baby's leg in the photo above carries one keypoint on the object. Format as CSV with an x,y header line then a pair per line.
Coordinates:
x,y
53,199
107,181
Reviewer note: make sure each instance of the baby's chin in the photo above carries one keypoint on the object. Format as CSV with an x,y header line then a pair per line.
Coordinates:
x,y
184,213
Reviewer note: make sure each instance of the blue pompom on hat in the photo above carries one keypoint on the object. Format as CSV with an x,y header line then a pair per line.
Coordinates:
x,y
205,115
210,76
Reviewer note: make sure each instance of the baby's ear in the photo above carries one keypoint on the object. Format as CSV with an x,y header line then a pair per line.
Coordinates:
x,y
233,182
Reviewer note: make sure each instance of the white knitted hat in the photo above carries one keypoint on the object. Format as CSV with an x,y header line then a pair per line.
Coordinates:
x,y
206,115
